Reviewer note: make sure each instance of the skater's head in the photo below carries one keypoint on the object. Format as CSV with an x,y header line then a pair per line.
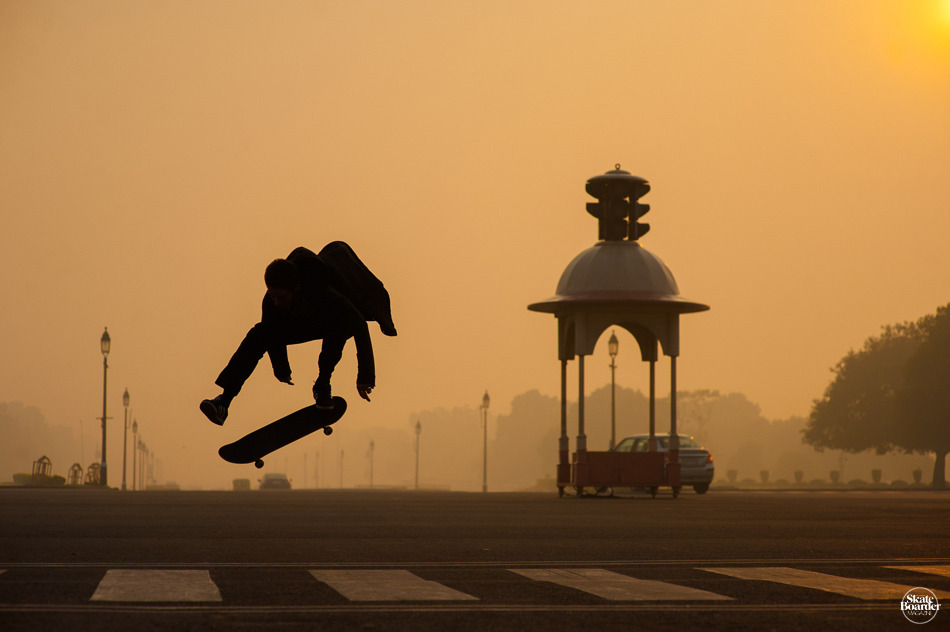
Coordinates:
x,y
282,280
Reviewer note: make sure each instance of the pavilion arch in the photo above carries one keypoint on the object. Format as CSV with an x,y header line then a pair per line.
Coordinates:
x,y
646,339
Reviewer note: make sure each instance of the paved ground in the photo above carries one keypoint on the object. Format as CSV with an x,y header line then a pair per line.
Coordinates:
x,y
107,560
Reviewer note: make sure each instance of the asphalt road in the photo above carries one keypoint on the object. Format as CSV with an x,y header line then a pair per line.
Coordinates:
x,y
360,559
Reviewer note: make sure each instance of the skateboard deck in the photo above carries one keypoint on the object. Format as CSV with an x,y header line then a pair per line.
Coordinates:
x,y
253,447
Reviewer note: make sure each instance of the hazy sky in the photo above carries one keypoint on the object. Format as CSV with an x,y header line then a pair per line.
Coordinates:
x,y
155,156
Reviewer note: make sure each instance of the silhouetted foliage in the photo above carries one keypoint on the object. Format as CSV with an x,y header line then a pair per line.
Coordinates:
x,y
857,410
891,395
924,401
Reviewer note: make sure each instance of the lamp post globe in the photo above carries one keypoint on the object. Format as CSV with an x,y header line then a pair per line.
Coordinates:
x,y
105,343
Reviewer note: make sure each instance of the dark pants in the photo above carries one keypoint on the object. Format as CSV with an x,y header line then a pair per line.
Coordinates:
x,y
265,338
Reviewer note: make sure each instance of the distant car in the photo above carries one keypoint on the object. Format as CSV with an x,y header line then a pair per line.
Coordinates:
x,y
241,484
275,481
696,463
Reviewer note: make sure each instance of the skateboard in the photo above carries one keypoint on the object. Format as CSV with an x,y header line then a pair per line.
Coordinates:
x,y
253,447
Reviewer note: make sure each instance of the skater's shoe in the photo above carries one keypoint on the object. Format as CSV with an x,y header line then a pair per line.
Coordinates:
x,y
214,409
321,396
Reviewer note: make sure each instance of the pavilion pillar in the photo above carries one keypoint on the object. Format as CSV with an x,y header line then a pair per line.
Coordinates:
x,y
564,447
651,442
674,438
581,436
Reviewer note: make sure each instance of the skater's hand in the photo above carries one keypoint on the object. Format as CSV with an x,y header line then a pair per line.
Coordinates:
x,y
285,379
364,390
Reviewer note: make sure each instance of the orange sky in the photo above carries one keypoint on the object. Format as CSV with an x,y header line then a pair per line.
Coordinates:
x,y
155,156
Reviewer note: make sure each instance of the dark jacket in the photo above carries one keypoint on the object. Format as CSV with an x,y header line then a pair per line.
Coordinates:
x,y
337,296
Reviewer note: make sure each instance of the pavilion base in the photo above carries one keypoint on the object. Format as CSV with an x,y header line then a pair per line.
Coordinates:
x,y
599,470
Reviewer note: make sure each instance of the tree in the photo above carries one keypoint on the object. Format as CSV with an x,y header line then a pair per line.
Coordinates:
x,y
924,401
695,407
868,403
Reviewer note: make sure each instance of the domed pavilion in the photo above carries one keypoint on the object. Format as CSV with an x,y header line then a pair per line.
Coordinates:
x,y
617,282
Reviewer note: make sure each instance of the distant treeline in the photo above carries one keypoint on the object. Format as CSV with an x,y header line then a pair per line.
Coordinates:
x,y
522,445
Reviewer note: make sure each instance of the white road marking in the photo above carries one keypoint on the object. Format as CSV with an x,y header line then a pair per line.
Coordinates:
x,y
943,571
387,585
867,589
616,587
156,585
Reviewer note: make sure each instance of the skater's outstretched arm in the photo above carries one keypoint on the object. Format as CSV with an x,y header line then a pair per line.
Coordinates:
x,y
366,362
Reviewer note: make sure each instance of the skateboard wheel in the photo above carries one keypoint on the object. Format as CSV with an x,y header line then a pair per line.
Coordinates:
x,y
258,464
328,430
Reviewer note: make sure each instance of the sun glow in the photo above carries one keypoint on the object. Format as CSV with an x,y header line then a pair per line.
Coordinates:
x,y
916,36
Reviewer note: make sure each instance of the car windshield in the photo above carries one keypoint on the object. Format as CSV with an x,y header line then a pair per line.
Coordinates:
x,y
639,444
626,445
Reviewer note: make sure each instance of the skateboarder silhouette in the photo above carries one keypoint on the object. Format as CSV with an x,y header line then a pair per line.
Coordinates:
x,y
328,296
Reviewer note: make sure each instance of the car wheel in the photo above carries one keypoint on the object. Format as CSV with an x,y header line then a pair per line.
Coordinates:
x,y
701,488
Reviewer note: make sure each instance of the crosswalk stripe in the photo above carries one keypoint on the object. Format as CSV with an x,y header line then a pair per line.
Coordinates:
x,y
387,585
943,571
616,587
156,585
867,589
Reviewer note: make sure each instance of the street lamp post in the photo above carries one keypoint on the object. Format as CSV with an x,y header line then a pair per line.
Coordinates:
x,y
484,407
125,434
418,432
613,345
105,343
135,451
372,447
143,461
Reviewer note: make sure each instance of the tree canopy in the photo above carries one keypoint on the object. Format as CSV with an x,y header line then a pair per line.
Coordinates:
x,y
892,395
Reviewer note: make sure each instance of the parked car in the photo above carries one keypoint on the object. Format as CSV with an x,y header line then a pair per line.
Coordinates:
x,y
696,463
275,481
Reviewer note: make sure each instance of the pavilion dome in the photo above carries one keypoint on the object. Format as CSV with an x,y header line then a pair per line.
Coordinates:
x,y
618,272
617,268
